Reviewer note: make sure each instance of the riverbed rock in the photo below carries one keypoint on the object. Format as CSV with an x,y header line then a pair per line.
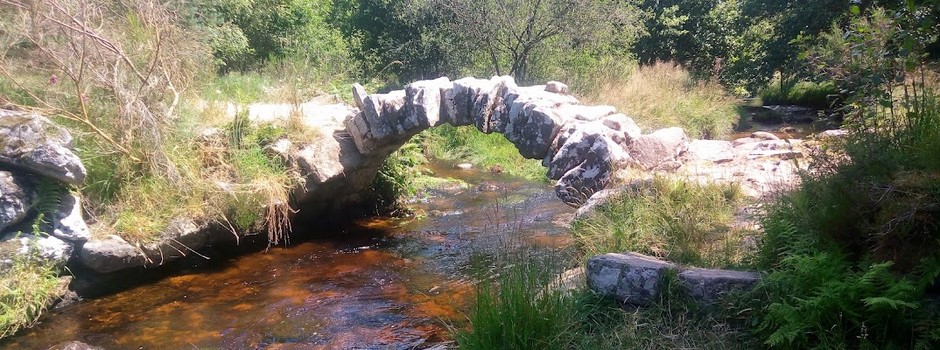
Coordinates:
x,y
709,286
74,345
630,277
763,135
833,134
110,254
764,115
556,87
17,197
710,151
181,238
32,142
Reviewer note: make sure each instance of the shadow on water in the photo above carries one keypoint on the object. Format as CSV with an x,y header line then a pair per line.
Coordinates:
x,y
376,283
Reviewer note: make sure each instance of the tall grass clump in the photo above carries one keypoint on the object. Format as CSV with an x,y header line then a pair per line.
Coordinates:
x,y
665,95
517,310
489,151
679,221
27,287
854,255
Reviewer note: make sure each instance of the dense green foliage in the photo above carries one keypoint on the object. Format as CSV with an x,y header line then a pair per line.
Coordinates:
x,y
802,93
854,251
247,33
853,254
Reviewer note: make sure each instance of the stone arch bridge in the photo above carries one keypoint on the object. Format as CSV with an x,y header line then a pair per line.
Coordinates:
x,y
581,146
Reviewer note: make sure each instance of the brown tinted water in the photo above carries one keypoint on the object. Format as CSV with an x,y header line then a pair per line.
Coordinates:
x,y
378,283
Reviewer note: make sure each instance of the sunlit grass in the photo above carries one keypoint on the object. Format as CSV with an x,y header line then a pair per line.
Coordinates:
x,y
26,289
665,95
672,219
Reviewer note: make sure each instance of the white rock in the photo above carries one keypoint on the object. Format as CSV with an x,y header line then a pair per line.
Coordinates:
x,y
556,87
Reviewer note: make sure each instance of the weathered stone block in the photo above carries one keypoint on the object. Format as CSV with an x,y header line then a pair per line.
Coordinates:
x,y
711,285
630,277
423,101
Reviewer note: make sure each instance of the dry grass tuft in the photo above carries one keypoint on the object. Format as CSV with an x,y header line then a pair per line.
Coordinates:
x,y
665,95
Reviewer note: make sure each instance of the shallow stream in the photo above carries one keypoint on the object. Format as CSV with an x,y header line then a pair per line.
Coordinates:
x,y
378,283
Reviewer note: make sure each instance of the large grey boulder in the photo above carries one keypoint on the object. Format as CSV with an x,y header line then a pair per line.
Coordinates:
x,y
630,277
110,254
709,286
34,143
17,197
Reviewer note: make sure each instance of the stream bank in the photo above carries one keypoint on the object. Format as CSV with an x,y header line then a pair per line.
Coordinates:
x,y
377,283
